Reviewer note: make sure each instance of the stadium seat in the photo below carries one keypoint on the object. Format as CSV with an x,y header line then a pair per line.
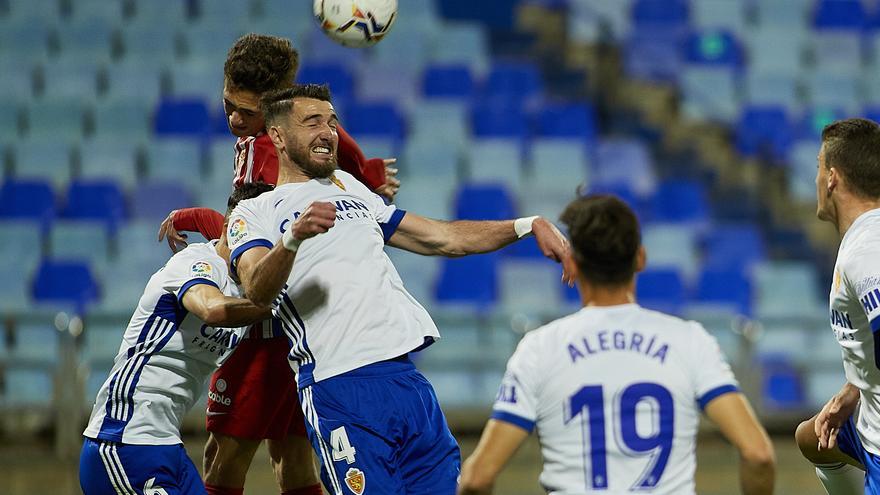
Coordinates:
x,y
506,83
813,120
681,200
176,159
175,13
30,200
152,46
431,159
15,297
187,117
65,282
834,90
27,235
123,120
154,200
375,119
660,14
407,49
621,161
710,93
785,289
336,75
783,386
764,132
197,79
95,200
498,120
108,158
567,121
529,286
788,14
653,56
33,387
70,79
427,196
484,202
86,39
60,119
43,158
672,246
725,288
839,15
775,50
559,166
132,84
720,14
590,22
86,240
465,43
802,170
713,47
470,281
497,160
19,83
733,247
447,81
661,289
109,13
772,90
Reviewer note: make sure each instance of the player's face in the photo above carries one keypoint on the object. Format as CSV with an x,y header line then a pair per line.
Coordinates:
x,y
312,139
824,207
243,115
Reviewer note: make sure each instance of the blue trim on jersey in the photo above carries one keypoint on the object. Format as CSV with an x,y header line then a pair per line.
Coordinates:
x,y
390,227
515,420
714,393
296,330
155,334
233,258
192,283
875,324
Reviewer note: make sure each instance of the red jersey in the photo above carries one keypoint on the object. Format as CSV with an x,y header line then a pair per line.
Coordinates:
x,y
256,161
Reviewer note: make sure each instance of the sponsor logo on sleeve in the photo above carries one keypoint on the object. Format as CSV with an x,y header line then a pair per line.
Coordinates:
x,y
355,480
201,269
237,231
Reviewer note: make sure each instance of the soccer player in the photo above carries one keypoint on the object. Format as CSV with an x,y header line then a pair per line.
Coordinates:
x,y
176,337
253,395
615,391
315,246
844,437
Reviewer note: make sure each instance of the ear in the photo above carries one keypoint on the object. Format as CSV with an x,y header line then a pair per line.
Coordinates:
x,y
641,259
833,180
275,136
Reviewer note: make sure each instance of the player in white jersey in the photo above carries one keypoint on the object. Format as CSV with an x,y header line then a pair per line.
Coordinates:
x,y
615,391
373,419
845,436
133,443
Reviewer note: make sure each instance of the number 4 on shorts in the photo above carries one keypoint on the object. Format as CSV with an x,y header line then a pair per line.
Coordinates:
x,y
342,448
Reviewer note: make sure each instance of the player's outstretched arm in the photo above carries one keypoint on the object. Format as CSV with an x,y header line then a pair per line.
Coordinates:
x,y
463,237
499,442
733,414
218,310
205,221
264,271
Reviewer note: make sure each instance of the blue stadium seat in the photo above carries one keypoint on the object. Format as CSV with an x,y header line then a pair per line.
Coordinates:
x,y
95,200
813,120
558,166
567,120
44,159
19,84
123,119
511,82
110,13
783,387
176,159
208,43
427,196
836,90
763,89
335,75
497,160
175,13
88,39
187,117
86,240
680,200
660,14
765,132
661,289
729,247
15,297
447,81
720,14
197,79
625,162
31,200
65,282
671,246
318,46
710,92
839,14
465,43
499,14
775,50
430,159
484,202
407,51
375,119
154,200
71,79
725,288
472,280
498,120
130,82
154,46
653,56
713,47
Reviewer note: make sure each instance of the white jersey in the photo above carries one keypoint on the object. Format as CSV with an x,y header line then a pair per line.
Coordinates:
x,y
855,317
166,355
344,305
615,393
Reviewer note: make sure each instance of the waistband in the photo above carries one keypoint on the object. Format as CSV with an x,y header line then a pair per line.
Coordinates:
x,y
393,366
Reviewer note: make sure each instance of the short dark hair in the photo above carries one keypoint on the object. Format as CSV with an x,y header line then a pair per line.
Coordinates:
x,y
245,191
260,63
277,104
605,238
852,146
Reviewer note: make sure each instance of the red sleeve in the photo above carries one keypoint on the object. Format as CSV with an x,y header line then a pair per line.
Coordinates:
x,y
265,161
352,160
205,221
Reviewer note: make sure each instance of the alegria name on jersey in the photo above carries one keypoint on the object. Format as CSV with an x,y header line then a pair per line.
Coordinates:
x,y
347,209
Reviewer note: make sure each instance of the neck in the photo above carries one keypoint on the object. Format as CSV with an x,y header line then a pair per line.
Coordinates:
x,y
599,295
856,207
289,172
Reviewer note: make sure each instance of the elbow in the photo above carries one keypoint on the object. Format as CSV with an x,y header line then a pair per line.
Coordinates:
x,y
760,457
215,316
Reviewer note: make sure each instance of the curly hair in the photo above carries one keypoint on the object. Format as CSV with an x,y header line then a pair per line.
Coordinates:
x,y
260,63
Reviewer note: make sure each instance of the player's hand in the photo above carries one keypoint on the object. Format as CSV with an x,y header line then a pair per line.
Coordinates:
x,y
554,245
389,189
176,240
834,414
318,218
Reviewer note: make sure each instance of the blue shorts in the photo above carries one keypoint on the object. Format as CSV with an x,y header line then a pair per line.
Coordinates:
x,y
380,428
108,468
850,444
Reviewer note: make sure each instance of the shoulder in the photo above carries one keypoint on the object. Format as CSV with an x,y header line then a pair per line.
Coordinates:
x,y
200,259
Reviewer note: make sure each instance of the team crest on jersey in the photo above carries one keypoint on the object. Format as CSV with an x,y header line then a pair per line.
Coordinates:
x,y
338,182
355,480
201,269
237,230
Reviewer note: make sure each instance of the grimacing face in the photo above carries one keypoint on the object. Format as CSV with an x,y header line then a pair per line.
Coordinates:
x,y
311,137
243,115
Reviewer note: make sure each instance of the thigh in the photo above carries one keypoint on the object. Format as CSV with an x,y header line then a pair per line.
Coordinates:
x,y
355,453
113,469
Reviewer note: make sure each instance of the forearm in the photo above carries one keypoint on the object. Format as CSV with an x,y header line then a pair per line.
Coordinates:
x,y
236,312
757,477
205,221
849,394
464,237
265,280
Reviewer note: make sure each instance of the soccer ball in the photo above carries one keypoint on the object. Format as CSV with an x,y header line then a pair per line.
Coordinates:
x,y
355,23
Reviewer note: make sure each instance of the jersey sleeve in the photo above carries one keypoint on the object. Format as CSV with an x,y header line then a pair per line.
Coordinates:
x,y
188,269
861,276
265,162
517,402
205,221
388,216
711,375
247,229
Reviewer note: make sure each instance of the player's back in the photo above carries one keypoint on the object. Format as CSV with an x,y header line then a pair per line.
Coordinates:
x,y
615,393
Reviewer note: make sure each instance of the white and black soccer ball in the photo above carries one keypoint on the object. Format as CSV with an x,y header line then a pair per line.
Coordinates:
x,y
355,23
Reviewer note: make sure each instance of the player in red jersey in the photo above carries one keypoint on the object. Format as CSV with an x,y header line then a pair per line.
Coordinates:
x,y
253,395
